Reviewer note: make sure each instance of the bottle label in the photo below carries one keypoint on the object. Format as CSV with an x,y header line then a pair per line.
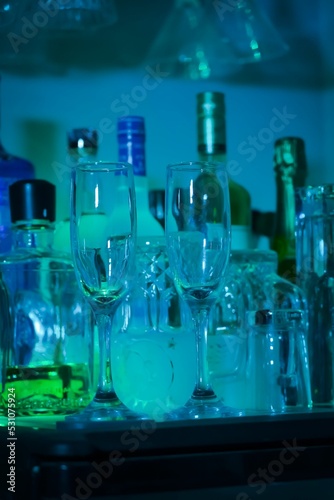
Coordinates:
x,y
135,154
241,237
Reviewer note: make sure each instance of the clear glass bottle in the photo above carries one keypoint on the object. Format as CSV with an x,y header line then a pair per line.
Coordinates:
x,y
46,347
211,145
291,170
82,146
315,274
131,149
12,168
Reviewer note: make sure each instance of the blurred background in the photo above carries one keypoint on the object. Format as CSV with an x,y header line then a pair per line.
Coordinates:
x,y
55,78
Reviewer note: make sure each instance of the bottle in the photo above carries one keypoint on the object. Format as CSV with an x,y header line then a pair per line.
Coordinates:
x,y
82,146
211,146
291,170
131,149
12,168
315,275
47,352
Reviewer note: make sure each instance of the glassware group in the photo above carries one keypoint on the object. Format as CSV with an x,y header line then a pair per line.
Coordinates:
x,y
103,240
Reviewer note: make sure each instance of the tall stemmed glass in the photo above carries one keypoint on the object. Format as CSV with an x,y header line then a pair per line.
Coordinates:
x,y
103,240
198,233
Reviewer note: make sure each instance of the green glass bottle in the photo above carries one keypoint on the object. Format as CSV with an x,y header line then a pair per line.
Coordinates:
x,y
211,146
291,171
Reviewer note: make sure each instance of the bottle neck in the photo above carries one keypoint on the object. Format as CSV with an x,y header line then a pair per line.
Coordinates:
x,y
285,207
83,155
290,169
214,156
131,149
33,235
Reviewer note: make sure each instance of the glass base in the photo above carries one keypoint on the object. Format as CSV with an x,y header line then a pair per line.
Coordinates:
x,y
103,411
197,409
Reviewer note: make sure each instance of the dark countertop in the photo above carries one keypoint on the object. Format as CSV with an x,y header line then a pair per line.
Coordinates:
x,y
287,456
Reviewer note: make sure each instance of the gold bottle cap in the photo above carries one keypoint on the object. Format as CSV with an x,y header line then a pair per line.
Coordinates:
x,y
211,131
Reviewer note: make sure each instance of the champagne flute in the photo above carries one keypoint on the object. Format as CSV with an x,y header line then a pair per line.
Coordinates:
x,y
103,242
198,234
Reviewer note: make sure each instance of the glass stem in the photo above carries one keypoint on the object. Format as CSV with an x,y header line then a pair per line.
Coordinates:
x,y
105,390
203,389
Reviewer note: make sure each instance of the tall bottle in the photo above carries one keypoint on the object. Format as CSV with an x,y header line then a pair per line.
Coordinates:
x,y
211,146
82,146
291,171
12,168
131,149
46,349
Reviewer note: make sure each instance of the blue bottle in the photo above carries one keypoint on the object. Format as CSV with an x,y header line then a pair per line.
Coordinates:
x,y
131,149
12,169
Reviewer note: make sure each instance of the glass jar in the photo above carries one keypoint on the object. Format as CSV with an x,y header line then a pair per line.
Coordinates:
x,y
240,346
277,372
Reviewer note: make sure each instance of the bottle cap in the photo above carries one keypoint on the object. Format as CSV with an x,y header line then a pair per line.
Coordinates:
x,y
32,199
131,125
82,140
211,122
82,143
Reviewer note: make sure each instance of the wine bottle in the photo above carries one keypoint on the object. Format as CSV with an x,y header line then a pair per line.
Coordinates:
x,y
131,149
12,169
211,146
291,170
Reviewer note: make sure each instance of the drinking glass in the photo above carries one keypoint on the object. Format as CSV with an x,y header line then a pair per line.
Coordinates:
x,y
103,242
315,276
198,233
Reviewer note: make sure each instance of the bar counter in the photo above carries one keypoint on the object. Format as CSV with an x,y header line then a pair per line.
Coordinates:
x,y
288,456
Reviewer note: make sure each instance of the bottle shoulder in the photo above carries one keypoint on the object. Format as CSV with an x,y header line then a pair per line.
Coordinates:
x,y
239,190
15,167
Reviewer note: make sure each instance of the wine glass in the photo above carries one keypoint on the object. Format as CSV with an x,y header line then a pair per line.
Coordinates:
x,y
198,234
103,241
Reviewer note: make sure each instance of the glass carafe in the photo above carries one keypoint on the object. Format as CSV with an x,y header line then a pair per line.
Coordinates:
x,y
154,350
227,339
